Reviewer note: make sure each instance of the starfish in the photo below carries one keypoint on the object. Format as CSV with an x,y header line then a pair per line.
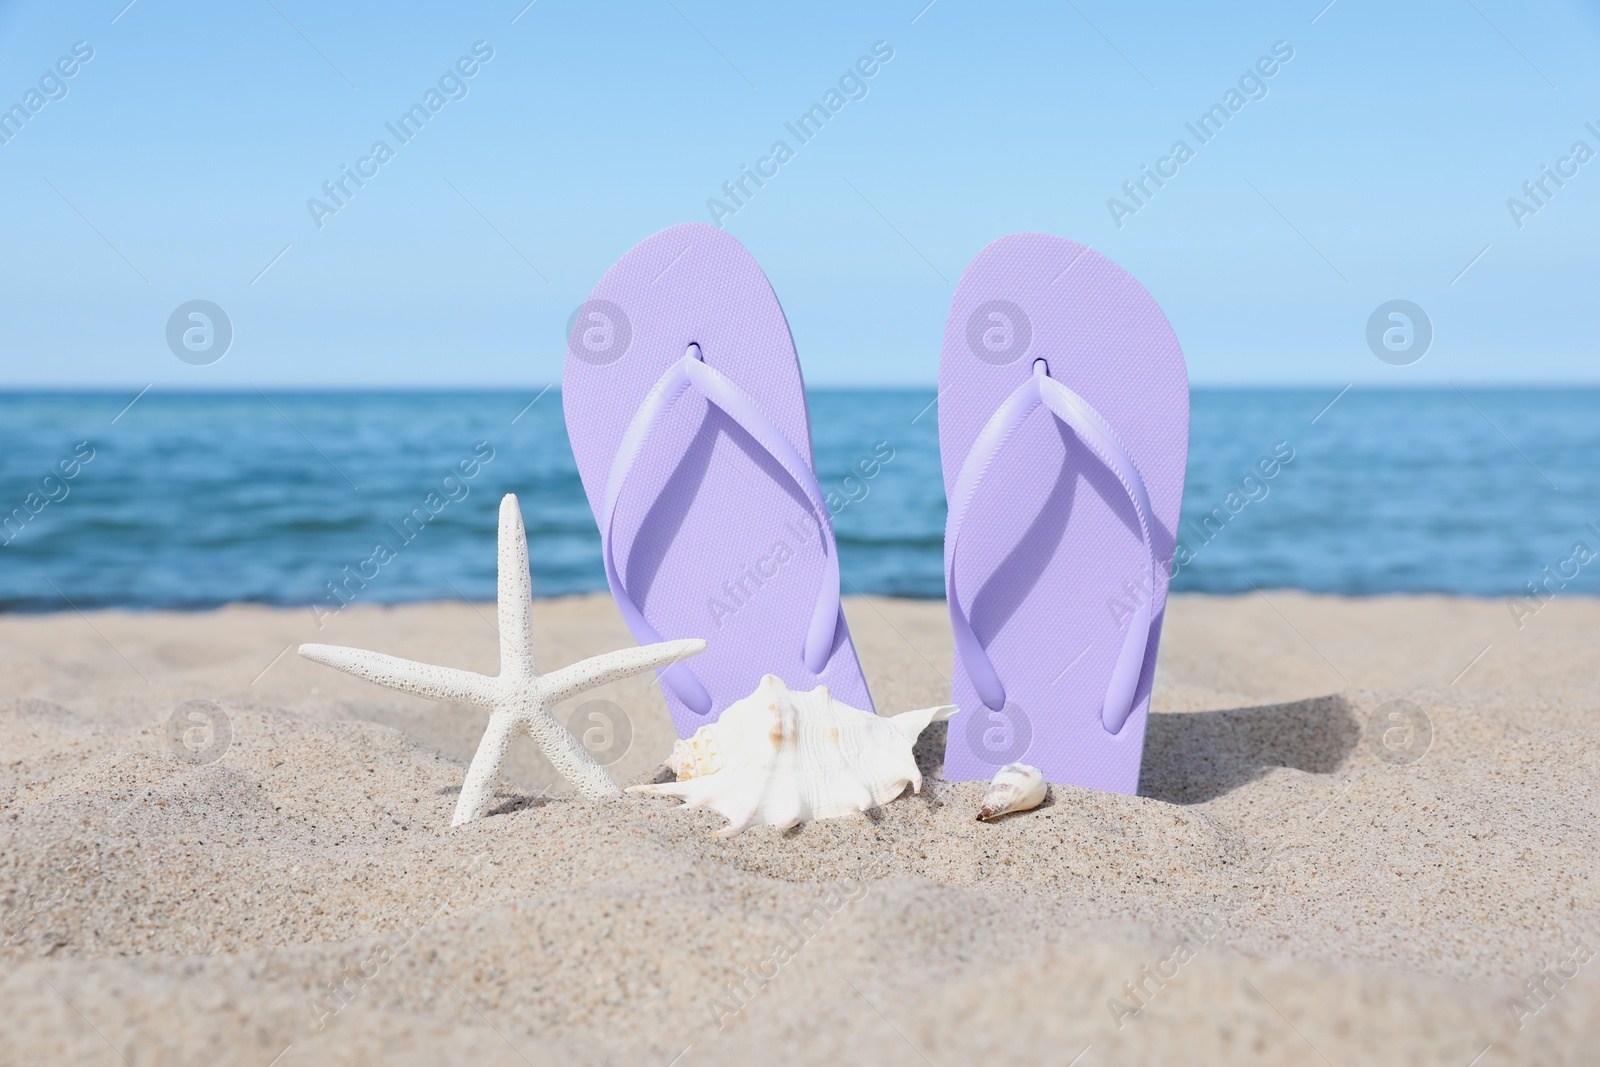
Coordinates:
x,y
519,697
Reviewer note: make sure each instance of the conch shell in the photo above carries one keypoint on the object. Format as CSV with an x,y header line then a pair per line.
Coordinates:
x,y
779,758
1016,787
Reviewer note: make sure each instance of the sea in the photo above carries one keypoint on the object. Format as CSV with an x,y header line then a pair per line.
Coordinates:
x,y
189,500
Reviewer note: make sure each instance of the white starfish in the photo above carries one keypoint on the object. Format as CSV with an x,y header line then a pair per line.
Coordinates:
x,y
520,698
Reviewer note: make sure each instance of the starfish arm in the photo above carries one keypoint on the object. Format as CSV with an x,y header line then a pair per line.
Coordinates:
x,y
570,759
424,679
515,594
477,788
613,666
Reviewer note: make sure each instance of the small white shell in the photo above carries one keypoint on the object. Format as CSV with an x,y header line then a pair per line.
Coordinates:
x,y
1016,787
780,758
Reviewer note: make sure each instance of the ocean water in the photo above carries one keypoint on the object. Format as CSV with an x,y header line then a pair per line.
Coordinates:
x,y
189,500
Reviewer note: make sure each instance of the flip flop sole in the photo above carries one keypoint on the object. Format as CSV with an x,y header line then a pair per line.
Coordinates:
x,y
712,538
1051,559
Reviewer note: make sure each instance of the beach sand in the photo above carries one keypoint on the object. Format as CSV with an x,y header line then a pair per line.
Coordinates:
x,y
1289,888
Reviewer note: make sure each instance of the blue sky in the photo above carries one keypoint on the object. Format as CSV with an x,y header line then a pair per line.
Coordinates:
x,y
1378,165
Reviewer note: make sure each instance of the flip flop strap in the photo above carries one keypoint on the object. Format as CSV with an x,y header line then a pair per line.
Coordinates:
x,y
1097,434
692,372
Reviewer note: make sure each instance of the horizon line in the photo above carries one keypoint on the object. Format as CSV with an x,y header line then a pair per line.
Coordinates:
x,y
555,387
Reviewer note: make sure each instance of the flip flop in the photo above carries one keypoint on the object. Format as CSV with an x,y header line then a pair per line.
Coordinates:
x,y
1064,434
688,420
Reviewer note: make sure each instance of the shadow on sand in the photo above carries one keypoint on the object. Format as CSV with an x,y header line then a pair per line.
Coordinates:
x,y
1192,757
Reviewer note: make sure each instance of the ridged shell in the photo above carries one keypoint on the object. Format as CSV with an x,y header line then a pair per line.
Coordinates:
x,y
779,758
1016,787
695,757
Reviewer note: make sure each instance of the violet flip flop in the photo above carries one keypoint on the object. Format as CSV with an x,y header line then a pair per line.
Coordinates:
x,y
1064,434
688,420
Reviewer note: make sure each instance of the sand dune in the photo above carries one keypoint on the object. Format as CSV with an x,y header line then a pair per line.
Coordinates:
x,y
1285,890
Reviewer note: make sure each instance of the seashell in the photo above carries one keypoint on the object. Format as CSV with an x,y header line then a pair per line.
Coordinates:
x,y
779,758
695,757
1016,787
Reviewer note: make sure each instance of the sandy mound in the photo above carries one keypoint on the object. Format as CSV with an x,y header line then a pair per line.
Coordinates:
x,y
1285,890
